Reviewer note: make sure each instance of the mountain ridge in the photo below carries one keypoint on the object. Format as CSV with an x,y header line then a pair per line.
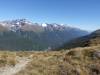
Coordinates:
x,y
22,34
18,23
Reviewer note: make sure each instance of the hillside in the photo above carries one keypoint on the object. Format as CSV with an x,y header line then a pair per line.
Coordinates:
x,y
22,34
92,39
78,61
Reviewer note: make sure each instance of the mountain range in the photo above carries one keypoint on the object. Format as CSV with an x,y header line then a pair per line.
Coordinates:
x,y
21,34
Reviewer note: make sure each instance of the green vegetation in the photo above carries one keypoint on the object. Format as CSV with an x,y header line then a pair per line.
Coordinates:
x,y
36,37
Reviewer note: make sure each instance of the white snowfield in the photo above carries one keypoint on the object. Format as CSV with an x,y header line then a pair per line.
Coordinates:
x,y
8,70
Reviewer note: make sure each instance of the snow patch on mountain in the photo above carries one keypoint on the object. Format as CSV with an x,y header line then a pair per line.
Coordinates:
x,y
18,24
44,25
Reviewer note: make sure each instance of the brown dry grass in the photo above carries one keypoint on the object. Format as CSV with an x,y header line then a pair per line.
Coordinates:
x,y
78,61
7,58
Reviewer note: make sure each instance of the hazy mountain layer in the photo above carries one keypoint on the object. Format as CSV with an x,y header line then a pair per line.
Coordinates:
x,y
92,39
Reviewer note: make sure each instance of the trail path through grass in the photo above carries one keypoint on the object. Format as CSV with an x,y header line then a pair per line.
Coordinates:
x,y
9,70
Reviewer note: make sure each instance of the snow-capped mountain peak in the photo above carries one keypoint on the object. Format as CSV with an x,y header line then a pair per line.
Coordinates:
x,y
44,25
24,24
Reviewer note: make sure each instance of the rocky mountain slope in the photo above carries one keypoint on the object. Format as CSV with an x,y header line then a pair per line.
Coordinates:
x,y
22,34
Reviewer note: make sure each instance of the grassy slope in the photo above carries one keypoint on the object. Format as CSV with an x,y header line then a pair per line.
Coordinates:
x,y
7,58
78,61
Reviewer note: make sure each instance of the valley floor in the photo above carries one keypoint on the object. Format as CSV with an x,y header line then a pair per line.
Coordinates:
x,y
78,61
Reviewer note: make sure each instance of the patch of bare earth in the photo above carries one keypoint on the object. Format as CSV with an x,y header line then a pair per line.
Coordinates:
x,y
12,70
